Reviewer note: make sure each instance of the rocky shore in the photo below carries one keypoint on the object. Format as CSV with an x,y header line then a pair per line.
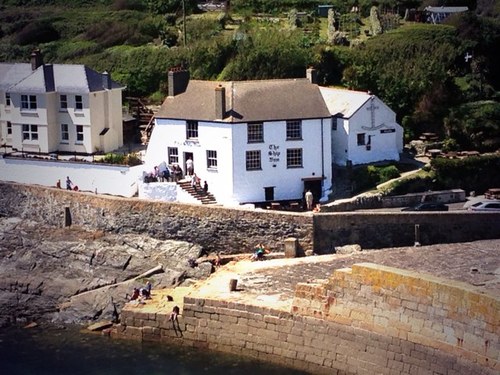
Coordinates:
x,y
72,275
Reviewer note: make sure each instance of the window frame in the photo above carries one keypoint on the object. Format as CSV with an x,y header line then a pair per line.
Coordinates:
x,y
294,130
64,132
191,129
80,135
173,155
255,132
30,132
253,160
361,141
9,129
78,103
8,101
63,102
28,102
212,159
294,158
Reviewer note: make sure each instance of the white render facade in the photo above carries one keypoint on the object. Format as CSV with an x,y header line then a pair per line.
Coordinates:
x,y
221,155
364,128
270,140
59,108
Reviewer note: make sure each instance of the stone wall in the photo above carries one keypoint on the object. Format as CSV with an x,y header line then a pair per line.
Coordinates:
x,y
450,317
382,229
316,345
214,228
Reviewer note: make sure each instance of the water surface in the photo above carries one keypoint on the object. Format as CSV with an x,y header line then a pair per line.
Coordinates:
x,y
56,351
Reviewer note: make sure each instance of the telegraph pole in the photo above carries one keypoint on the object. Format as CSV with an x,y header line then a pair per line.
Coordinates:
x,y
184,21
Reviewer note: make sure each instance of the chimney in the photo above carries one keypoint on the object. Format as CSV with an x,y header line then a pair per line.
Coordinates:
x,y
220,102
312,75
36,59
178,79
106,80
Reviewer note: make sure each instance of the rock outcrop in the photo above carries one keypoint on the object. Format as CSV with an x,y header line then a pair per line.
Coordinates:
x,y
73,275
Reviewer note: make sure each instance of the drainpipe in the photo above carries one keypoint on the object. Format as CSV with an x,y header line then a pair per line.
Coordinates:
x,y
322,156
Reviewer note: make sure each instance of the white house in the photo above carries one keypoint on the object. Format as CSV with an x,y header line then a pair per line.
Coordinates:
x,y
252,141
364,129
59,108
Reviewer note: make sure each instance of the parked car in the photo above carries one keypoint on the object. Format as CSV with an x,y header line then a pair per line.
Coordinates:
x,y
428,206
486,205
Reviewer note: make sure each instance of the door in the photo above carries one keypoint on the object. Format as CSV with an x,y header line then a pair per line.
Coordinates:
x,y
188,164
269,192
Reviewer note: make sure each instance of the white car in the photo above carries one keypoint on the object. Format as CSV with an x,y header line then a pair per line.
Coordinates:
x,y
486,205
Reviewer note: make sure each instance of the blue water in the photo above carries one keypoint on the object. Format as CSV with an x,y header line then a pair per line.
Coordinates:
x,y
59,351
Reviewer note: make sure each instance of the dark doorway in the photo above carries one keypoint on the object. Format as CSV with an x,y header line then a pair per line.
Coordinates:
x,y
313,184
188,155
269,192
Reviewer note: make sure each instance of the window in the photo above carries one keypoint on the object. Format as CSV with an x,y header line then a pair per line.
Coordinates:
x,y
30,132
361,139
9,128
78,102
7,99
294,158
64,132
211,159
28,101
253,160
191,129
255,132
79,133
173,155
334,123
63,100
294,130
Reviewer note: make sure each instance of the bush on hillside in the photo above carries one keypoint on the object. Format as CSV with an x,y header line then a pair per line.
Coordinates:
x,y
36,33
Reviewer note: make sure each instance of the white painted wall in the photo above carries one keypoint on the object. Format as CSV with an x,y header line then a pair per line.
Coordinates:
x,y
384,146
249,185
165,191
106,179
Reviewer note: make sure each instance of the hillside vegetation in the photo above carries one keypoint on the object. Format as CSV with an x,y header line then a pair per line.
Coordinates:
x,y
418,69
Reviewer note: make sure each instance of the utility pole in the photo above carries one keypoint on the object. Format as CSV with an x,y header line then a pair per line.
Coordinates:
x,y
184,22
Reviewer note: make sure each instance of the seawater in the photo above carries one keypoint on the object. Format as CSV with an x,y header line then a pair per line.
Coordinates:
x,y
68,351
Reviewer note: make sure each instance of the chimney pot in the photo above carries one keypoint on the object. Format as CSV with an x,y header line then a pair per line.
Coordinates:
x,y
36,59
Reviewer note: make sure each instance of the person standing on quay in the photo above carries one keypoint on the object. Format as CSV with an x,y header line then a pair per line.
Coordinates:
x,y
69,184
309,200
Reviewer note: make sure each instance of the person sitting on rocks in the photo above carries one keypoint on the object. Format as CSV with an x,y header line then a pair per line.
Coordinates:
x,y
135,295
259,253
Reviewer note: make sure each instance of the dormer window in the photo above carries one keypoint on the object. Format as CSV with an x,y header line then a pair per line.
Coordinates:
x,y
78,102
28,102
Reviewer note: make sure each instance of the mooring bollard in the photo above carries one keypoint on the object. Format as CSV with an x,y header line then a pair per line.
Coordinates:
x,y
232,285
417,235
67,217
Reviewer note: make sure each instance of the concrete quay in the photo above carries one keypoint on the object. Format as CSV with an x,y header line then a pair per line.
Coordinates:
x,y
412,310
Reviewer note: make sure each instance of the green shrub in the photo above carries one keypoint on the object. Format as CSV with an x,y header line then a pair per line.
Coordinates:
x,y
387,173
36,33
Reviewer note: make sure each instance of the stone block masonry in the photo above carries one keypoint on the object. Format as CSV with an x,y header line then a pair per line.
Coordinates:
x,y
318,346
231,231
421,310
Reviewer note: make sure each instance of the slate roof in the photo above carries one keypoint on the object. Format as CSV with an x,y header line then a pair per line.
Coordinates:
x,y
65,78
10,74
342,102
248,101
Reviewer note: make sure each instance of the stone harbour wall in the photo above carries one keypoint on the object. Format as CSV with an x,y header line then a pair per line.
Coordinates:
x,y
315,345
447,316
229,230
374,230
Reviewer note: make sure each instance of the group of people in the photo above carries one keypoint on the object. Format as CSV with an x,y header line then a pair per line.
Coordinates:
x,y
69,184
141,294
260,252
196,184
